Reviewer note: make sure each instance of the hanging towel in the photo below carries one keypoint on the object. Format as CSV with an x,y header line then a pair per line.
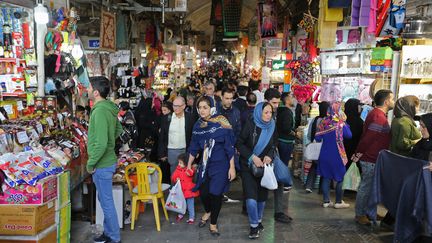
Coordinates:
x,y
326,29
332,14
372,26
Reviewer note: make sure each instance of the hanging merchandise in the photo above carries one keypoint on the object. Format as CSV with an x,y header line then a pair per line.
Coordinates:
x,y
303,93
267,19
121,32
108,32
216,13
364,14
231,17
303,70
344,88
327,24
393,22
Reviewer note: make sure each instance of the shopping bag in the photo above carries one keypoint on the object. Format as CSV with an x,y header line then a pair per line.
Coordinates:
x,y
282,172
352,178
269,179
176,201
312,151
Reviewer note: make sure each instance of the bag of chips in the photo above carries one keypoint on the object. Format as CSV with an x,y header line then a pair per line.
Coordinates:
x,y
50,165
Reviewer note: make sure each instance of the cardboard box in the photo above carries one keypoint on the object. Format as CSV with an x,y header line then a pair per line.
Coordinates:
x,y
26,219
44,192
47,236
63,220
63,189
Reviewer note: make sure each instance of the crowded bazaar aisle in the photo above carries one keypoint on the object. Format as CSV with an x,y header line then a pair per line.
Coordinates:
x,y
311,223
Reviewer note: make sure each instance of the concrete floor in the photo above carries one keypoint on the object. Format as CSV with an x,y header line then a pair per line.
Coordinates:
x,y
311,223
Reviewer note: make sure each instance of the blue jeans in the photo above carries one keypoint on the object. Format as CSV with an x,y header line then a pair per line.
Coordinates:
x,y
285,151
325,187
190,202
255,211
365,188
102,178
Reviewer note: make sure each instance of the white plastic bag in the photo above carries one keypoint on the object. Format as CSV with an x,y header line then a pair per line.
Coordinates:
x,y
269,179
176,201
312,151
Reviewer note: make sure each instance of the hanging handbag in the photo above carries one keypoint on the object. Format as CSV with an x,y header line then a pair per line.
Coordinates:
x,y
256,171
312,151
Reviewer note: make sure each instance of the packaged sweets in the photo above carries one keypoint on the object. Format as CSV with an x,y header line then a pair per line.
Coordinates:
x,y
50,165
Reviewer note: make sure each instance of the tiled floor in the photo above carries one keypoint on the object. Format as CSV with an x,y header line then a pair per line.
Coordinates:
x,y
311,223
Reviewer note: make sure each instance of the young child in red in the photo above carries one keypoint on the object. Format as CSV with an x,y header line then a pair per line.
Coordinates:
x,y
186,179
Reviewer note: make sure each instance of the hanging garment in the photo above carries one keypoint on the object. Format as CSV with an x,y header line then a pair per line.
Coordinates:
x,y
373,16
327,29
339,3
360,12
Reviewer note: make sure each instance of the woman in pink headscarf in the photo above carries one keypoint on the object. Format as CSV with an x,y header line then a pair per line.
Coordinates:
x,y
331,132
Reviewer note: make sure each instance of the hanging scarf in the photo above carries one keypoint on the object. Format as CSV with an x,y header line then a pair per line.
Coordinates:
x,y
334,121
267,129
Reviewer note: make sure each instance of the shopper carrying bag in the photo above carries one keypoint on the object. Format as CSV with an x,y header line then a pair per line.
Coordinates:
x,y
269,179
176,201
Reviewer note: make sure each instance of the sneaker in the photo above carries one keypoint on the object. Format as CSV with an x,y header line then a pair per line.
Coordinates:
x,y
341,205
327,204
363,220
101,239
287,188
282,218
260,228
308,190
190,221
254,233
179,218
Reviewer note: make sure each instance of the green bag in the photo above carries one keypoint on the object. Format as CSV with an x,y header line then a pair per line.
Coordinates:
x,y
352,178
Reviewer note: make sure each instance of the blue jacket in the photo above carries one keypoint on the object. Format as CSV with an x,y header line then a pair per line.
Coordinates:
x,y
233,116
404,188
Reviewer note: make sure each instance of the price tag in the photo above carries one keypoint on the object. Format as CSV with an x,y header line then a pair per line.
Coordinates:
x,y
50,121
39,128
78,131
22,137
20,106
34,134
2,117
3,139
8,109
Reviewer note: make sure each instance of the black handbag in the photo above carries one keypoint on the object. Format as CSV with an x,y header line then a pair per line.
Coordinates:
x,y
256,171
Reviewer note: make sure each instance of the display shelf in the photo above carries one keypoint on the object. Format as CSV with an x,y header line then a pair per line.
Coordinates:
x,y
415,77
12,60
19,95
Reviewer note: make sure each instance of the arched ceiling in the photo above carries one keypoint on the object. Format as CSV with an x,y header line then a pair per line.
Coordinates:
x,y
199,12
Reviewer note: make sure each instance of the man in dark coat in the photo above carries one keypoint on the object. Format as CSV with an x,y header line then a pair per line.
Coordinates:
x,y
175,133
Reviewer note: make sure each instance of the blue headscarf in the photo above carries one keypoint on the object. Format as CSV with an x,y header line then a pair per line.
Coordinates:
x,y
267,130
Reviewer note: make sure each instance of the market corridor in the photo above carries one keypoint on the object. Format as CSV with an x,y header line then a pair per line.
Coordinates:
x,y
311,223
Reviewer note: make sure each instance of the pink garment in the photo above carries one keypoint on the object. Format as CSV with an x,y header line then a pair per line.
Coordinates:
x,y
373,17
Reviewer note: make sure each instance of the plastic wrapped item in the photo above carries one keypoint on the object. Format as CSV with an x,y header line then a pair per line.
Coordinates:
x,y
30,172
59,155
6,165
50,165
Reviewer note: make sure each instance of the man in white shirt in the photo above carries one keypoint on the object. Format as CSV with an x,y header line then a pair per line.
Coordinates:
x,y
175,133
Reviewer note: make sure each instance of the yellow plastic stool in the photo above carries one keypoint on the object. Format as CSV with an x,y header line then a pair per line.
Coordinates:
x,y
146,189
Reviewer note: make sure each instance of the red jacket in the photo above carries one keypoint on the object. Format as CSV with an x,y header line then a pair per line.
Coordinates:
x,y
186,180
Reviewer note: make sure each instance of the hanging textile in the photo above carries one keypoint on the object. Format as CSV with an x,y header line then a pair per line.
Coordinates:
x,y
267,19
286,28
231,10
121,34
360,12
216,13
108,32
327,29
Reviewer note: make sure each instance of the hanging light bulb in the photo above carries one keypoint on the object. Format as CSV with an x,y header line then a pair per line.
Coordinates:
x,y
41,14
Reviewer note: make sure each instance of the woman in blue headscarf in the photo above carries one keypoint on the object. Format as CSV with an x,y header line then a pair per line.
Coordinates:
x,y
213,138
256,144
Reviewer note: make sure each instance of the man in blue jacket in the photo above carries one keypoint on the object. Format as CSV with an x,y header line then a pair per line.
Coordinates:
x,y
227,110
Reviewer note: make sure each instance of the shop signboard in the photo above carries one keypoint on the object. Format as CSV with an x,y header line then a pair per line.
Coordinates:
x,y
93,43
278,65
